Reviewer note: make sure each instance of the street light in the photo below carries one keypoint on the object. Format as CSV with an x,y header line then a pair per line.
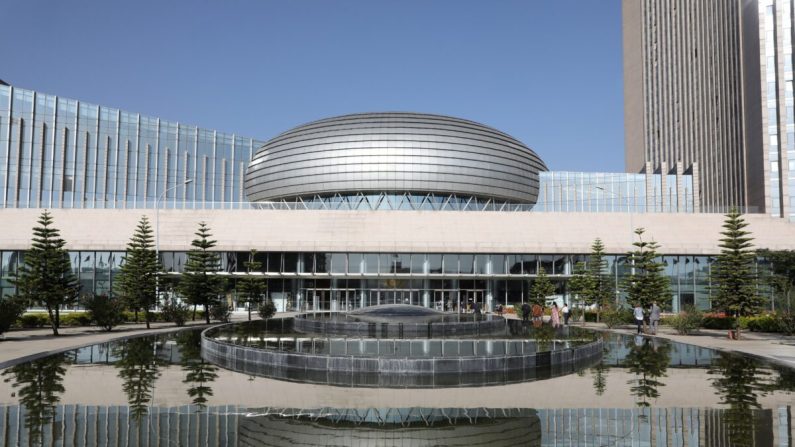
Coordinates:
x,y
157,231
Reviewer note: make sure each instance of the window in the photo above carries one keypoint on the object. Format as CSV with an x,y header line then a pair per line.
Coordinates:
x,y
355,263
339,263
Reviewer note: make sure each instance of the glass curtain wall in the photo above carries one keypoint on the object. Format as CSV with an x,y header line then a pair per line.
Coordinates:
x,y
62,153
344,281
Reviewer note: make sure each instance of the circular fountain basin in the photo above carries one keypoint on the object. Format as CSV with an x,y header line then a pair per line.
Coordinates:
x,y
398,320
274,349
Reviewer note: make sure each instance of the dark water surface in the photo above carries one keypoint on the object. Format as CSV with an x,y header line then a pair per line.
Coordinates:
x,y
159,391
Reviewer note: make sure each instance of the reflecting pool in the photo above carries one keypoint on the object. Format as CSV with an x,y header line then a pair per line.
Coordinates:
x,y
160,391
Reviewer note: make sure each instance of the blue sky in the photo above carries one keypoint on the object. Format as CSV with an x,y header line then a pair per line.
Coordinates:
x,y
547,72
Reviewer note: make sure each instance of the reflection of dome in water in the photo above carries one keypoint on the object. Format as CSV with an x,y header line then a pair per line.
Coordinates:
x,y
409,426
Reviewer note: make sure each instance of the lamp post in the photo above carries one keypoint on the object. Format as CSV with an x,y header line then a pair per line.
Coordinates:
x,y
157,231
631,226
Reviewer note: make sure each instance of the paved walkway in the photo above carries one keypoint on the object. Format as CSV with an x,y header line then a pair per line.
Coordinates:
x,y
27,344
776,347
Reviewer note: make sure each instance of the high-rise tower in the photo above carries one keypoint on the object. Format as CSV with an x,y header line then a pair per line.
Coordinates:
x,y
691,95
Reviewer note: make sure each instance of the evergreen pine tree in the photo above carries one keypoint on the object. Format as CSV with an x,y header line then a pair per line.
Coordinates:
x,y
199,284
46,277
734,278
580,283
542,288
137,280
252,288
600,292
646,283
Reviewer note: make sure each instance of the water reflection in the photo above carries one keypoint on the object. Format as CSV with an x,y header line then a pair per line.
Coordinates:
x,y
648,359
39,386
199,373
739,383
659,393
139,367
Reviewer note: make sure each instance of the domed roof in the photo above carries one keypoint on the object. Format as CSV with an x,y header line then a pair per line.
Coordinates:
x,y
395,151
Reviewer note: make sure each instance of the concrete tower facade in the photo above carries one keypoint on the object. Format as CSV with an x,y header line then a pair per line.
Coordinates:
x,y
686,68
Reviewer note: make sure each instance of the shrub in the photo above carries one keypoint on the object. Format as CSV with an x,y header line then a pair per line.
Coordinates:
x,y
613,316
175,312
34,320
687,321
764,323
788,323
267,309
718,321
105,312
221,312
75,319
590,316
11,309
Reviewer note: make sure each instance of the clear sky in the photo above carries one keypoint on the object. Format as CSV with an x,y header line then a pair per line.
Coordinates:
x,y
547,72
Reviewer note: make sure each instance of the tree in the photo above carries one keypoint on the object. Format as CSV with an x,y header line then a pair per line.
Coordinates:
x,y
105,311
646,283
199,283
580,282
11,308
137,280
591,282
541,288
734,278
600,282
252,288
46,277
781,275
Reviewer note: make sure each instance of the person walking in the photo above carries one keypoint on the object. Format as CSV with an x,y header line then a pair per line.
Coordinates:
x,y
555,315
566,314
654,317
638,313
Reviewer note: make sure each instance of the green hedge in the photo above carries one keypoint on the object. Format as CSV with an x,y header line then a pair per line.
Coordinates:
x,y
75,319
34,320
758,323
718,322
765,323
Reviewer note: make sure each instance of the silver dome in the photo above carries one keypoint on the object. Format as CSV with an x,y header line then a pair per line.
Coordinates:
x,y
394,152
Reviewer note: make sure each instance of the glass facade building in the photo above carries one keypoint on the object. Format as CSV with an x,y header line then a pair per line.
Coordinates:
x,y
600,192
345,281
64,153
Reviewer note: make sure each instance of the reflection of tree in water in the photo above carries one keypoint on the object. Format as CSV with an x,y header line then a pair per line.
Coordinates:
x,y
40,385
738,381
139,368
648,360
599,372
199,373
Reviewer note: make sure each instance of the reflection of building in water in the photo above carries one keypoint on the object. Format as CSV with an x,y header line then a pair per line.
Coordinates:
x,y
230,425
